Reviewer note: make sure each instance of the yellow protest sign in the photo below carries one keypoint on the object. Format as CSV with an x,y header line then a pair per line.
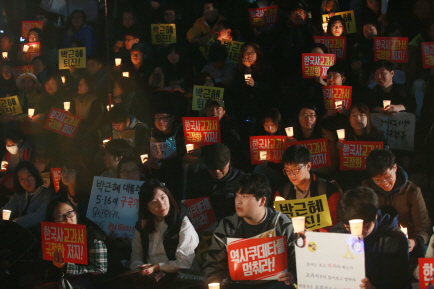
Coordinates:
x,y
205,49
316,210
72,57
233,48
348,16
10,105
202,93
163,33
417,40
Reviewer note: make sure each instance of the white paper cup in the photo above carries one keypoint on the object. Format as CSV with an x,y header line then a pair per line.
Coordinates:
x,y
26,48
263,155
189,147
289,131
386,103
338,103
105,141
214,286
5,54
144,158
6,214
298,223
126,74
118,61
356,227
63,79
4,165
66,105
31,112
341,134
247,76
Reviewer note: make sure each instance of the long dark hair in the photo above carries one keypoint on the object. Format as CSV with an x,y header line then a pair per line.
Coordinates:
x,y
83,178
49,213
90,82
332,21
370,129
259,64
317,130
32,170
58,81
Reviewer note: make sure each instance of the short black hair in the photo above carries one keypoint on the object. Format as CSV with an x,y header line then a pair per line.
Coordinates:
x,y
81,12
386,64
13,132
118,114
320,45
218,53
254,184
215,3
128,159
358,203
37,30
296,154
8,36
96,58
49,213
41,155
338,69
134,33
379,161
32,170
118,148
41,58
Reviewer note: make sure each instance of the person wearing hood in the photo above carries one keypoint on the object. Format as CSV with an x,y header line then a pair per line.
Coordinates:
x,y
385,245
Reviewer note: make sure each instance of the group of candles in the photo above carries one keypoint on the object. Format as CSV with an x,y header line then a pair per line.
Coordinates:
x,y
66,106
118,62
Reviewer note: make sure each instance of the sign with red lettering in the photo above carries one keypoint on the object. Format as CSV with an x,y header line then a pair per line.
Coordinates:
x,y
201,213
257,258
391,48
337,93
68,238
62,122
263,16
271,147
55,174
34,49
27,25
316,64
335,45
426,273
354,153
201,131
319,151
428,54
18,70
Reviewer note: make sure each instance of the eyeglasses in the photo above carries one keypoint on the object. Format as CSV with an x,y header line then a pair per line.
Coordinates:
x,y
63,217
379,182
292,172
334,76
163,119
129,172
249,53
305,115
136,54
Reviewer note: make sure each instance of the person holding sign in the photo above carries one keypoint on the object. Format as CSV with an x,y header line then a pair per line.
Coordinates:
x,y
386,255
52,96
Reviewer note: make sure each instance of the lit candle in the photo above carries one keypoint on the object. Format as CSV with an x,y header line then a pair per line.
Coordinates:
x,y
341,134
247,76
263,155
66,105
338,103
404,230
5,54
144,158
386,103
356,227
26,48
31,112
126,74
104,142
118,61
189,147
109,107
6,214
63,79
214,286
289,131
298,223
4,165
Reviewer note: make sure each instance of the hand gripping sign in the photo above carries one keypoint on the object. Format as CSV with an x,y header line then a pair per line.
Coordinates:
x,y
75,57
334,93
316,64
201,131
201,213
319,151
274,146
34,49
354,153
335,45
263,16
391,48
62,122
233,48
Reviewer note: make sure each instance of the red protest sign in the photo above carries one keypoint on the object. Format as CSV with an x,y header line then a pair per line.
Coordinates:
x,y
27,25
271,146
426,272
33,51
55,174
428,54
263,16
201,131
201,213
316,64
62,122
18,70
257,258
391,48
333,93
354,153
336,45
69,238
319,151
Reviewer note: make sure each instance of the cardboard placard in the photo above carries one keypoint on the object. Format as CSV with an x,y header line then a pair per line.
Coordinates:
x,y
201,131
18,70
205,49
75,57
55,174
354,153
428,54
349,19
316,64
163,33
27,25
426,273
315,209
10,105
319,151
202,93
233,48
335,45
263,16
70,239
201,213
333,93
34,50
273,145
62,122
391,48
114,205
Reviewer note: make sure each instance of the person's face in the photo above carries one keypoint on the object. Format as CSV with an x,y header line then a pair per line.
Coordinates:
x,y
128,19
387,179
64,209
28,84
77,20
331,6
247,206
219,64
129,41
297,16
38,65
111,162
215,110
307,118
33,37
93,66
374,5
369,31
384,77
160,205
335,78
250,54
82,87
5,44
209,11
297,173
41,17
51,86
40,165
337,28
68,176
136,57
169,16
130,171
163,122
358,119
317,50
422,10
173,57
117,90
121,126
220,173
270,126
367,228
27,180
208,82
6,72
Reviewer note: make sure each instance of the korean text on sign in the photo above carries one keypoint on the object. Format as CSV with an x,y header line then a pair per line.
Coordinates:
x,y
333,93
273,145
426,272
163,33
201,213
319,151
335,45
391,48
316,64
27,25
263,16
233,48
202,93
349,19
257,258
201,130
10,105
18,70
354,153
68,238
428,54
75,57
62,122
34,50
398,128
205,49
316,210
55,174
114,205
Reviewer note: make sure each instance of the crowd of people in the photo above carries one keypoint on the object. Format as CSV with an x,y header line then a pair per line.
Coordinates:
x,y
138,104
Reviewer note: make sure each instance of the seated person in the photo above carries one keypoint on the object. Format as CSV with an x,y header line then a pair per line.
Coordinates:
x,y
7,45
79,30
41,160
29,95
130,168
115,150
40,66
386,255
220,67
17,149
253,218
139,68
131,37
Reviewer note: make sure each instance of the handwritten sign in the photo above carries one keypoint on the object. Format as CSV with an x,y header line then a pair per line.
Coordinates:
x,y
333,93
316,64
10,105
62,122
354,153
315,209
233,48
75,57
114,205
263,16
349,19
27,25
426,272
391,48
273,145
18,70
319,151
202,93
163,33
335,45
329,261
201,130
55,174
257,258
428,54
34,50
163,150
70,239
201,213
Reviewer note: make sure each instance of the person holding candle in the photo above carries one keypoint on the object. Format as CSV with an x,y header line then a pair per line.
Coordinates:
x,y
29,95
7,82
7,45
114,151
53,95
139,67
17,148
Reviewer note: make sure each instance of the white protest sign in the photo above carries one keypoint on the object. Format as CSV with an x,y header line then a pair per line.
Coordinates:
x,y
398,129
329,260
114,205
